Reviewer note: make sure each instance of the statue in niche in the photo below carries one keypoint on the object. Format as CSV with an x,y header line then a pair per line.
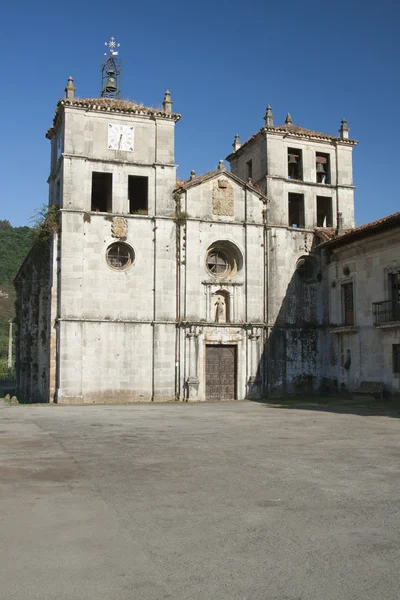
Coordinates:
x,y
220,308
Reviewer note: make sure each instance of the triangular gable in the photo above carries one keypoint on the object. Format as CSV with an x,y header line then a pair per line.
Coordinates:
x,y
186,185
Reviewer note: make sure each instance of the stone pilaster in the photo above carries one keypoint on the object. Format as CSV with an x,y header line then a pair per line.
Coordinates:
x,y
192,381
254,382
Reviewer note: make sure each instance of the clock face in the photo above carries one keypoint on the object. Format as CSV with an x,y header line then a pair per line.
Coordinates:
x,y
120,137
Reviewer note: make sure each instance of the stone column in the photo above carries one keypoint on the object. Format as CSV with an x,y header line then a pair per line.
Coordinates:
x,y
209,304
254,381
230,309
192,381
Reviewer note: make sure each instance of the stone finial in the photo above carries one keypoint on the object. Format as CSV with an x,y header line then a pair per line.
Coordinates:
x,y
236,143
192,175
167,103
269,117
344,130
339,223
221,165
70,88
288,119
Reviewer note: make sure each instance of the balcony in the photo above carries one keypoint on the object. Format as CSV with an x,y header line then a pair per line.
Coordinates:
x,y
385,312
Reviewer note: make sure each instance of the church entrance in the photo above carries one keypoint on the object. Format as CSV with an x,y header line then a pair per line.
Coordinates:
x,y
220,372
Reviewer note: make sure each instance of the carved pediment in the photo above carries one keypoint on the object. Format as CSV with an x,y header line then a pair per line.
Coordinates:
x,y
119,227
222,198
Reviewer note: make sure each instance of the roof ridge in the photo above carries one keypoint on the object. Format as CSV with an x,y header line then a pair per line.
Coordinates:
x,y
200,178
294,130
367,227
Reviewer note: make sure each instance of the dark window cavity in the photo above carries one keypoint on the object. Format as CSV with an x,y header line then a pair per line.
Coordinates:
x,y
101,192
306,268
323,167
223,260
396,359
249,169
58,193
395,295
138,193
324,211
296,210
348,303
295,164
119,256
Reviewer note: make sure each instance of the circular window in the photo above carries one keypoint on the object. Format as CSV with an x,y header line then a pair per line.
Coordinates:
x,y
306,268
223,259
119,256
217,263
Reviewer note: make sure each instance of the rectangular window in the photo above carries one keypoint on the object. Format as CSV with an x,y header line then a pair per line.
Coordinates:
x,y
396,359
322,168
324,211
348,303
138,194
249,169
58,193
295,164
101,192
395,295
296,210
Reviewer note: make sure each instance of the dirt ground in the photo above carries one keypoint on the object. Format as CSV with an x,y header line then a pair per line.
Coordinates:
x,y
238,501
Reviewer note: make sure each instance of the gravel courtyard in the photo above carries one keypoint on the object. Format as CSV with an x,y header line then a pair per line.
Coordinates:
x,y
237,501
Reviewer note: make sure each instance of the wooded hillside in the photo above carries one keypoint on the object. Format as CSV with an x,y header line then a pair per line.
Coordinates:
x,y
15,243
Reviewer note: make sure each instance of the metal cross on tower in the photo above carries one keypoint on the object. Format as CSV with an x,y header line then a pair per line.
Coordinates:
x,y
111,71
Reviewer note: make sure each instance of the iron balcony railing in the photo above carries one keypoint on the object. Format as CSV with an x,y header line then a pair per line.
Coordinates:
x,y
386,311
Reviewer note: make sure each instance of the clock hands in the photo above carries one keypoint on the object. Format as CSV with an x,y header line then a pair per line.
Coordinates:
x,y
120,138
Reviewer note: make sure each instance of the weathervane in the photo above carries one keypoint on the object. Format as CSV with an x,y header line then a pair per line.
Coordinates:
x,y
111,72
112,45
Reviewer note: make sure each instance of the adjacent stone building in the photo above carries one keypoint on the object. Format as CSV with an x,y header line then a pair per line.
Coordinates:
x,y
363,275
151,289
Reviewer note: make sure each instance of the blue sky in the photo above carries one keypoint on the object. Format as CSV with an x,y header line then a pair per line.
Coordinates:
x,y
223,62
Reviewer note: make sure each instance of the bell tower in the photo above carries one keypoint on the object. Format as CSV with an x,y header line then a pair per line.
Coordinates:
x,y
111,71
113,177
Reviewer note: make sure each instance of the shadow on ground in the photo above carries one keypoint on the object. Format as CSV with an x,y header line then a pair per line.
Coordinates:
x,y
366,408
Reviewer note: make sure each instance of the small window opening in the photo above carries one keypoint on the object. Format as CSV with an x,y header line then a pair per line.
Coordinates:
x,y
296,210
394,283
348,303
58,193
396,359
306,268
249,169
101,192
324,211
119,256
323,168
295,164
138,194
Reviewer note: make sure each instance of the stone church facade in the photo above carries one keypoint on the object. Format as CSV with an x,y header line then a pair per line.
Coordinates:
x,y
153,289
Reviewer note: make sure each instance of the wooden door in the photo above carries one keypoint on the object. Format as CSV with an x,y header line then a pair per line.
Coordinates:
x,y
220,372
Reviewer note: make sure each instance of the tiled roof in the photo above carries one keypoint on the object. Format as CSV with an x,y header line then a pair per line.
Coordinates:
x,y
302,132
328,233
296,131
352,235
112,106
187,184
